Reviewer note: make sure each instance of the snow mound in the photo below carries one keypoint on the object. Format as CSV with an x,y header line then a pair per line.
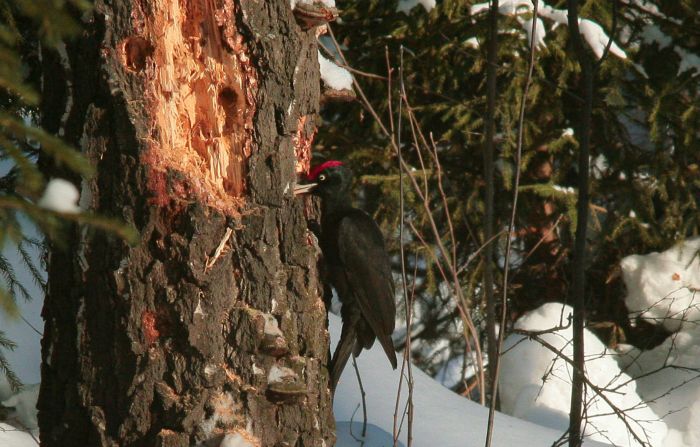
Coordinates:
x,y
14,437
663,289
535,382
24,409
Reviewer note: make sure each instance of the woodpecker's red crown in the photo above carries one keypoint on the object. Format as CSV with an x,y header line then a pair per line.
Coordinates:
x,y
318,169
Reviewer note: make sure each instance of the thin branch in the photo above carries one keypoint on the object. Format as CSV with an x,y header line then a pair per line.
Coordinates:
x,y
39,333
491,78
544,237
596,389
407,351
350,69
462,303
496,361
579,279
478,251
363,394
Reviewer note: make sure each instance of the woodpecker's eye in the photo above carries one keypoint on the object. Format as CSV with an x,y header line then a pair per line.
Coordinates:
x,y
322,178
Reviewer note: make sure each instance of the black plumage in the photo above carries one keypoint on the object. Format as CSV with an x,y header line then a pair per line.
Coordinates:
x,y
358,267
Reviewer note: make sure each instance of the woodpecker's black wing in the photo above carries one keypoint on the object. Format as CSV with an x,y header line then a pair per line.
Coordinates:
x,y
367,268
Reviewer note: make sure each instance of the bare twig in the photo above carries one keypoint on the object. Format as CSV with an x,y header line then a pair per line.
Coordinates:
x,y
543,238
352,419
492,56
443,196
408,303
389,89
478,251
31,326
362,394
596,389
453,279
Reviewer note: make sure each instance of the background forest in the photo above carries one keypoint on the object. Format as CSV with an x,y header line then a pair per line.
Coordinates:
x,y
645,154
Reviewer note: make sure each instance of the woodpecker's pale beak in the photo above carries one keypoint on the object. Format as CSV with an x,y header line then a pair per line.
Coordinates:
x,y
304,189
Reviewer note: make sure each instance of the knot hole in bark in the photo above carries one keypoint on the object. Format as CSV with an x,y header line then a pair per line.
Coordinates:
x,y
231,101
135,51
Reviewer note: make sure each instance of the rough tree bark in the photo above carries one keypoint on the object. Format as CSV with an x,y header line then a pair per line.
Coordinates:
x,y
197,116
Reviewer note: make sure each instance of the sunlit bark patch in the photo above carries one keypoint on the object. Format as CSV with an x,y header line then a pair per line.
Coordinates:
x,y
200,92
303,139
149,327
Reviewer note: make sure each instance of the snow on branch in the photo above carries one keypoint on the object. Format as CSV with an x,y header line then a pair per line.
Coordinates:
x,y
60,196
598,39
689,61
326,3
591,31
540,31
334,76
652,35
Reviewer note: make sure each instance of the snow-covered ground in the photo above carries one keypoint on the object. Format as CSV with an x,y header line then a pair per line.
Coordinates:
x,y
441,417
662,404
11,436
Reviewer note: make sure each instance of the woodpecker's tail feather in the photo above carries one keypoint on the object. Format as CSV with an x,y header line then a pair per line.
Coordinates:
x,y
388,345
342,354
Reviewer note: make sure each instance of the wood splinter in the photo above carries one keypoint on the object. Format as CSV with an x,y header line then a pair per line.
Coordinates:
x,y
219,250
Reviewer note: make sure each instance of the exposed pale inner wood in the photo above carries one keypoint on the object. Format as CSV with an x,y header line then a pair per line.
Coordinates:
x,y
201,94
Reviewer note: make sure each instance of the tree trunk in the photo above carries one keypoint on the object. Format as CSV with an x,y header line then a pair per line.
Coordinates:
x,y
197,116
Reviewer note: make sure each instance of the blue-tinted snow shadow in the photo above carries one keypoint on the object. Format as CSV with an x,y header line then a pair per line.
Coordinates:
x,y
350,435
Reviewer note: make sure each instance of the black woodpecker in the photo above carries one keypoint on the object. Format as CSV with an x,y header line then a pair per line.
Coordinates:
x,y
358,266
